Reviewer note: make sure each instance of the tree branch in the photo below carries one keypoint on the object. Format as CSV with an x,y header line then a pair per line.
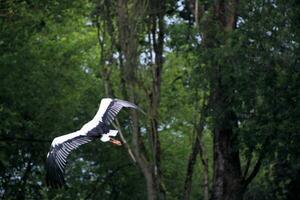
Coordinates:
x,y
126,145
247,165
197,149
258,163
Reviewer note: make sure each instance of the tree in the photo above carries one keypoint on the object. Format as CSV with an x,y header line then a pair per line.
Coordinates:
x,y
218,81
129,27
220,27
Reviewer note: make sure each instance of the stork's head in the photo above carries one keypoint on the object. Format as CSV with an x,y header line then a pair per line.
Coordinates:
x,y
107,138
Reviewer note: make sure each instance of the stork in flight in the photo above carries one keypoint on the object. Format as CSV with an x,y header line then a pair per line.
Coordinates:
x,y
98,127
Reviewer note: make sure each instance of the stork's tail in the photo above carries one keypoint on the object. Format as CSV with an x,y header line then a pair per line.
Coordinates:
x,y
112,133
106,137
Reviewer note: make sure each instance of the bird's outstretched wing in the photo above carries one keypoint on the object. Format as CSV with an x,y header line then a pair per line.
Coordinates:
x,y
63,145
109,108
57,157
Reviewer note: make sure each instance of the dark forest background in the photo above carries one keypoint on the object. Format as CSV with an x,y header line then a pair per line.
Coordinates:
x,y
219,82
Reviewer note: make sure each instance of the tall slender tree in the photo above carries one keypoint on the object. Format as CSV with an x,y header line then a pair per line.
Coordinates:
x,y
129,27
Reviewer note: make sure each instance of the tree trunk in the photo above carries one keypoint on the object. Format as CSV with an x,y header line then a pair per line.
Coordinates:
x,y
228,182
190,169
227,178
198,148
128,39
157,12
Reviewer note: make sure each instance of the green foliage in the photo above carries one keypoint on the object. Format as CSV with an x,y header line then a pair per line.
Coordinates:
x,y
51,84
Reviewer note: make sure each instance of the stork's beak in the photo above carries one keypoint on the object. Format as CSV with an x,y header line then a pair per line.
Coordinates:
x,y
116,142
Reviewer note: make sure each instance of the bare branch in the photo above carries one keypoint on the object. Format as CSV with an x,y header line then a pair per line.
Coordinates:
x,y
126,145
198,148
258,163
247,165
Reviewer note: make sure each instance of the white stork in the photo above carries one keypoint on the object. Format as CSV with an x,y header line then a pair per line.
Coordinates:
x,y
98,127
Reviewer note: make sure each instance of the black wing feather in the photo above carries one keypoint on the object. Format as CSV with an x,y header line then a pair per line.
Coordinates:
x,y
57,159
114,108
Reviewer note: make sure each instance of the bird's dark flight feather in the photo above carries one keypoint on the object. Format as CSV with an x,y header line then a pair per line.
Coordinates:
x,y
57,159
114,108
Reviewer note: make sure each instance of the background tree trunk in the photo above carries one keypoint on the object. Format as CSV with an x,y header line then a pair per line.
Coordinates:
x,y
228,182
227,179
157,31
197,149
128,38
